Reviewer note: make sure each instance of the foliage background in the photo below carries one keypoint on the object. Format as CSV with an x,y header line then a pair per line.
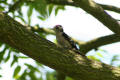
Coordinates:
x,y
42,14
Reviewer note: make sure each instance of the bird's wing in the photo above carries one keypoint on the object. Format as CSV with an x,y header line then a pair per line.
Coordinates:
x,y
73,44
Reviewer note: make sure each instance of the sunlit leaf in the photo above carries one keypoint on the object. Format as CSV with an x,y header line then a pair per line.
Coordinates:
x,y
23,57
93,58
16,72
55,41
99,54
103,50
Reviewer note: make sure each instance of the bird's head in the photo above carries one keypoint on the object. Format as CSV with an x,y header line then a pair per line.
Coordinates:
x,y
58,28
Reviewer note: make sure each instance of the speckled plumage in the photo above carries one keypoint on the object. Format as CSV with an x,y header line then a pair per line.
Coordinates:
x,y
63,39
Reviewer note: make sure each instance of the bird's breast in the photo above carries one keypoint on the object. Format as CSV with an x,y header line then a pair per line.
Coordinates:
x,y
62,41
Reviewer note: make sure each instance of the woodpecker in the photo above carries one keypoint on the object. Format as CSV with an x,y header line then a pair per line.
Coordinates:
x,y
64,40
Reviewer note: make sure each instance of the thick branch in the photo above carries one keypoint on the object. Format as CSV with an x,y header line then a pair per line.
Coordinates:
x,y
110,8
95,43
95,10
41,29
47,53
84,46
51,32
98,12
105,7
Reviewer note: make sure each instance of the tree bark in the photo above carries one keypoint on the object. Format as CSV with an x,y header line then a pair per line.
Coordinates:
x,y
80,68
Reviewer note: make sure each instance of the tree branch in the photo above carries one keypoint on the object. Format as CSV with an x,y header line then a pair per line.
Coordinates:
x,y
95,43
47,53
110,8
41,29
84,46
95,10
105,7
49,31
60,76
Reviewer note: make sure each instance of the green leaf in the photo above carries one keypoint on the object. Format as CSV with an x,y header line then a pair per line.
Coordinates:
x,y
40,6
16,72
8,56
29,13
32,67
68,78
51,6
4,1
23,76
99,54
32,75
115,58
103,50
50,76
55,41
2,8
59,8
20,11
42,18
13,50
23,57
21,18
15,59
93,58
39,64
2,54
41,78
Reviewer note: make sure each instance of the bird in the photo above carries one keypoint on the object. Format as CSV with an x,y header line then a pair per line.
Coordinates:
x,y
63,40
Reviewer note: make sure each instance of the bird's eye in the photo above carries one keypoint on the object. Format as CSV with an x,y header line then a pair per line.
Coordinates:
x,y
57,27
